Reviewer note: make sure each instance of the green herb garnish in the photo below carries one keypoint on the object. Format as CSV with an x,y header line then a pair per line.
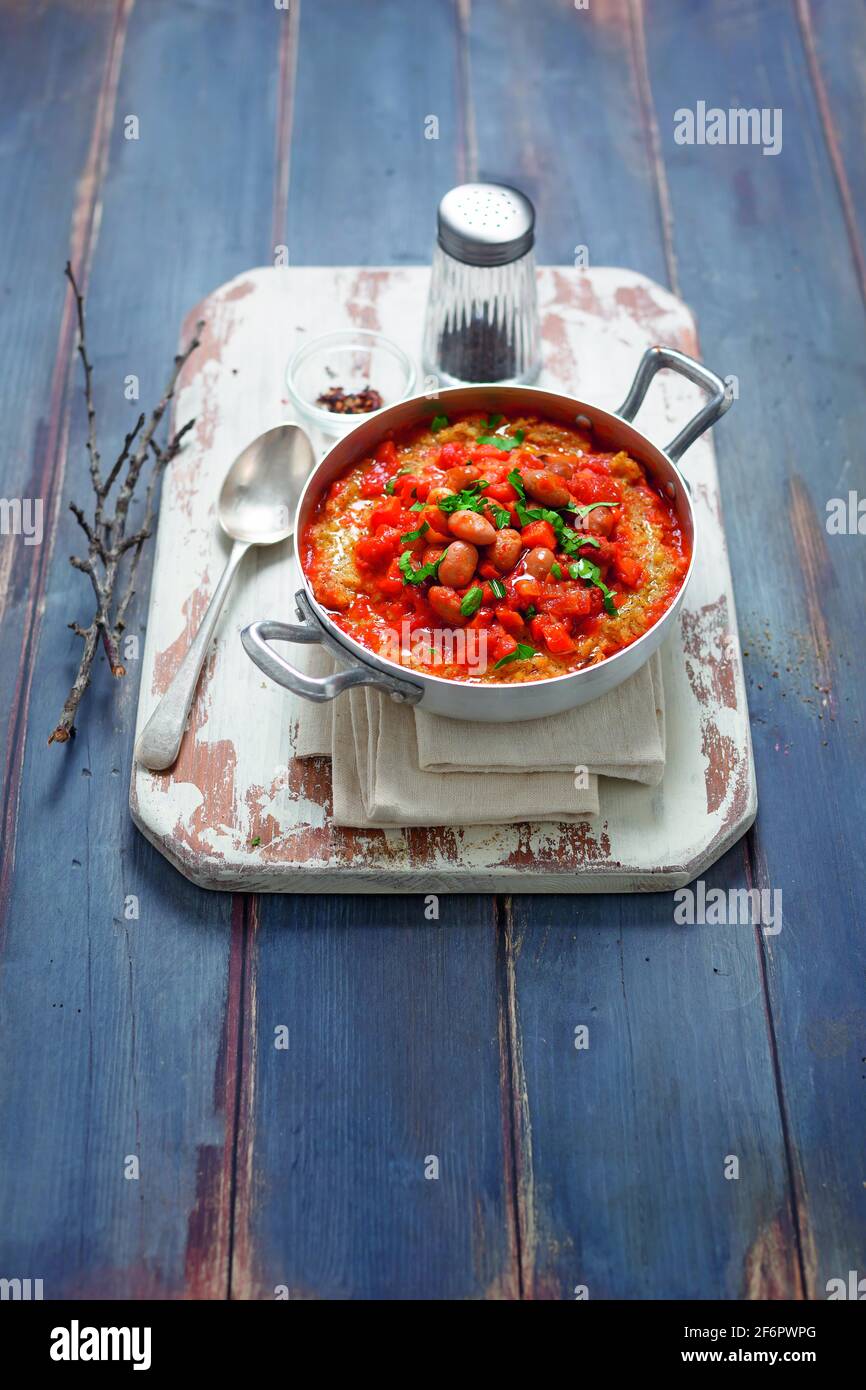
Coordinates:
x,y
522,652
469,499
586,508
490,425
527,514
517,483
502,441
555,570
416,535
498,588
417,506
501,517
569,540
254,843
416,576
439,422
585,569
389,486
530,612
471,602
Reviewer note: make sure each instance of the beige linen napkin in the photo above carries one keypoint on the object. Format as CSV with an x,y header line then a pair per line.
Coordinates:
x,y
394,765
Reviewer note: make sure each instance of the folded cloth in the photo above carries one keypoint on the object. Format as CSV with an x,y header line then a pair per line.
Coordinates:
x,y
393,765
619,735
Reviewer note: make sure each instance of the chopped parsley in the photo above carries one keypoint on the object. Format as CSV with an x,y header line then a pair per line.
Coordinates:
x,y
498,588
416,576
522,652
527,514
555,570
471,601
585,569
585,509
517,483
416,535
571,541
389,486
469,499
439,422
502,441
501,517
568,539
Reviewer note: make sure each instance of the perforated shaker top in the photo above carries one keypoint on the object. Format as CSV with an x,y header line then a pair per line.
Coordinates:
x,y
486,223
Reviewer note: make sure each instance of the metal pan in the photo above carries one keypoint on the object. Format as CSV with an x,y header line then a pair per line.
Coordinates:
x,y
489,702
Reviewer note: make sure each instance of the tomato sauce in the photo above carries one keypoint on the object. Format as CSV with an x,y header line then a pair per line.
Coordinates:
x,y
501,550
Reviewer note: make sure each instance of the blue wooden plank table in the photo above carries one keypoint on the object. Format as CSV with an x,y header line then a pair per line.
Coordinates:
x,y
435,1127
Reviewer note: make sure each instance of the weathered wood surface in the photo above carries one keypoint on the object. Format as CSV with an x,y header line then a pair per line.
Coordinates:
x,y
407,1037
238,810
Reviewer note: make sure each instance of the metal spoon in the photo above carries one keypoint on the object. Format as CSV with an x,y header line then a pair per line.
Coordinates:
x,y
256,507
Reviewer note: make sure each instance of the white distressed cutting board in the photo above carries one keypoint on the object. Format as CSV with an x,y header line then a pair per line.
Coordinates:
x,y
237,781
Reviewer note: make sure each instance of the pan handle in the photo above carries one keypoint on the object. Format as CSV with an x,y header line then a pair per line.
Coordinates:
x,y
653,360
256,639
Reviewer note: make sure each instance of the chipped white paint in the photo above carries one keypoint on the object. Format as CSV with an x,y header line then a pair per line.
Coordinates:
x,y
237,780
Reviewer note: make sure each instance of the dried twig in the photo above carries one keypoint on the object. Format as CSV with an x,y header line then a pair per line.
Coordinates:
x,y
108,546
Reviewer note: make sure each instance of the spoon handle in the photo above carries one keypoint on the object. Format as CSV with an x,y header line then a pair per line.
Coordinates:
x,y
162,735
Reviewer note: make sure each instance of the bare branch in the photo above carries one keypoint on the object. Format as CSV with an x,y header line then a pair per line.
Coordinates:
x,y
122,457
135,465
108,544
115,664
162,458
175,443
65,728
92,451
82,521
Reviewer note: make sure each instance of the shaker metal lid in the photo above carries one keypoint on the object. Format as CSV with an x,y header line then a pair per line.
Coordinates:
x,y
486,223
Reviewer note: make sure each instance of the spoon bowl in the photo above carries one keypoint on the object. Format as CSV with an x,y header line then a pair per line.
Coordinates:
x,y
260,492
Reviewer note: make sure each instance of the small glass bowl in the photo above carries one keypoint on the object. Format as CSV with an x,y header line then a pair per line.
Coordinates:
x,y
353,359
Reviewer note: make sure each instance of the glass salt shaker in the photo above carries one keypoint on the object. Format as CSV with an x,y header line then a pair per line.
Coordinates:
x,y
482,308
